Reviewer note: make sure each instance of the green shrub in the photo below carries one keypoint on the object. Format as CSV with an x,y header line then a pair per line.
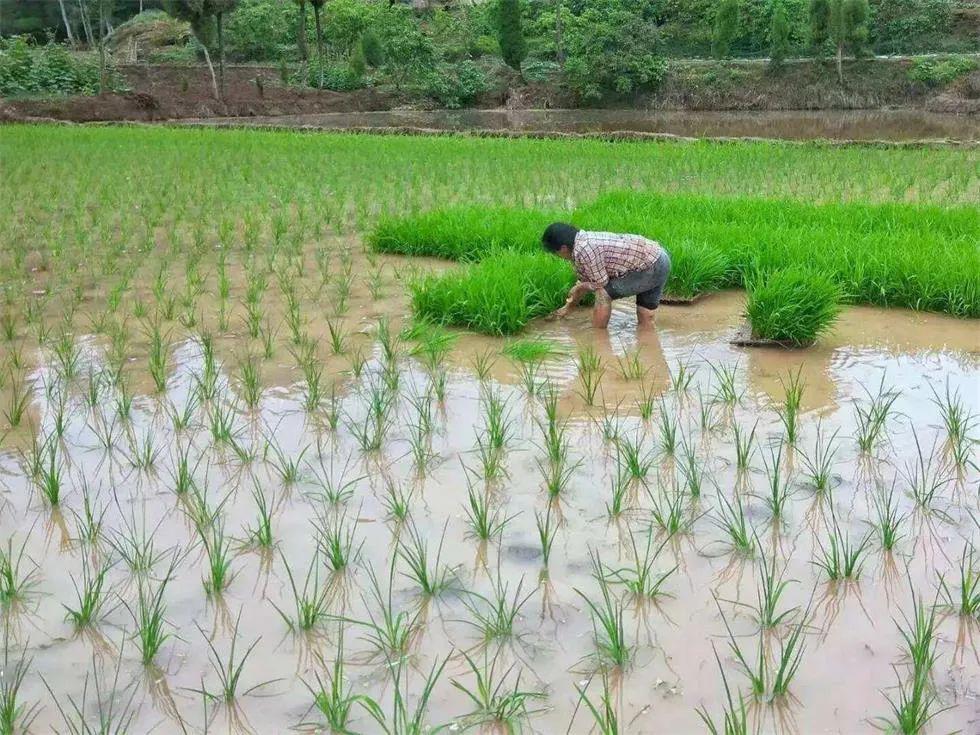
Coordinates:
x,y
795,304
261,30
461,233
538,70
49,69
336,75
938,72
498,295
453,85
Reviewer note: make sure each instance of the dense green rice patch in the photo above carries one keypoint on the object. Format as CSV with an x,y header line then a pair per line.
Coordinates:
x,y
461,233
794,305
498,295
920,257
532,349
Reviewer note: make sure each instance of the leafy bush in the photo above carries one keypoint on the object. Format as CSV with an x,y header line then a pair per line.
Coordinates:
x,y
538,70
910,25
261,30
453,85
49,69
340,76
938,72
461,233
796,304
611,49
498,295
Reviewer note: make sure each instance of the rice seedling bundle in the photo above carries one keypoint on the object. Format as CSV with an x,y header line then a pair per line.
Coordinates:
x,y
794,305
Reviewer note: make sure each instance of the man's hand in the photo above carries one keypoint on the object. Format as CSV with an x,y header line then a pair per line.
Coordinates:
x,y
559,313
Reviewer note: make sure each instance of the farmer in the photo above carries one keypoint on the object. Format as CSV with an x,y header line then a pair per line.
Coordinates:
x,y
612,266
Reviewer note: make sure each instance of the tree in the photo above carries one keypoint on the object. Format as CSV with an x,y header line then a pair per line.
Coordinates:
x,y
726,26
374,53
317,8
842,22
206,17
779,31
509,33
301,29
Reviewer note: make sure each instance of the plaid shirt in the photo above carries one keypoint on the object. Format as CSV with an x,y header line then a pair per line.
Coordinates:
x,y
599,256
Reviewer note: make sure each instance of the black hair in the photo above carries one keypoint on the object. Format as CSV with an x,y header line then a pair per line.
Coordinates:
x,y
558,235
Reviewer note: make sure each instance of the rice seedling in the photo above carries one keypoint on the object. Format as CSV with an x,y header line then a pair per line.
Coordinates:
x,y
497,704
547,531
217,552
20,397
482,363
646,402
494,617
221,420
681,377
50,479
819,463
90,522
397,503
313,386
229,670
888,521
771,585
157,358
497,422
250,382
841,557
608,630
691,469
795,304
311,604
389,633
16,581
111,709
631,366
777,485
640,578
590,372
485,523
735,719
871,419
16,715
966,600
789,412
604,716
632,458
620,487
926,475
609,424
143,453
287,468
668,431
68,356
725,376
529,372
334,699
769,682
90,595
338,337
404,721
337,542
431,580
668,512
358,360
731,520
959,423
744,446
531,349
259,535
149,614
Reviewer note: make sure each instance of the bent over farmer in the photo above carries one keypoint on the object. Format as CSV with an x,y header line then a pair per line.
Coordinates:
x,y
612,266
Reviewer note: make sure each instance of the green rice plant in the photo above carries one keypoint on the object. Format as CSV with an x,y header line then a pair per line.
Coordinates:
x,y
590,372
337,541
288,469
497,705
631,366
90,523
221,419
494,617
547,531
888,521
819,463
532,349
181,419
90,596
313,389
16,581
926,475
609,424
871,419
620,487
336,489
498,295
966,601
608,630
110,710
668,512
16,715
772,583
149,614
492,461
682,376
640,578
914,708
777,485
20,398
482,363
134,544
726,377
557,476
229,669
646,402
795,304
397,503
405,721
744,446
144,453
432,580
840,558
51,480
789,412
250,381
485,522
691,469
260,535
389,633
217,553
735,714
604,717
497,422
631,456
731,520
959,423
334,699
68,355
338,337
768,681
529,372
460,233
667,424
311,605
159,347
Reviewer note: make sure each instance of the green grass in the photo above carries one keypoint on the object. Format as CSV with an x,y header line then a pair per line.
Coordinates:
x,y
795,305
530,349
499,295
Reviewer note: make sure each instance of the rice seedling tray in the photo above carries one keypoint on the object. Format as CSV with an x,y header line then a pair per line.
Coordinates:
x,y
743,337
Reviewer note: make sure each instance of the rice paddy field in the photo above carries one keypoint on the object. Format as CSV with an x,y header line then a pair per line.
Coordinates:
x,y
285,446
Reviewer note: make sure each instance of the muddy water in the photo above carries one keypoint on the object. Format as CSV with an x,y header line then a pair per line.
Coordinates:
x,y
863,125
853,647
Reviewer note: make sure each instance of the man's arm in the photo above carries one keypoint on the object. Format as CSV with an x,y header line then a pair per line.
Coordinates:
x,y
592,277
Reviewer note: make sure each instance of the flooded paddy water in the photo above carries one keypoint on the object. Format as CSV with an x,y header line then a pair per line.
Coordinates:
x,y
152,481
